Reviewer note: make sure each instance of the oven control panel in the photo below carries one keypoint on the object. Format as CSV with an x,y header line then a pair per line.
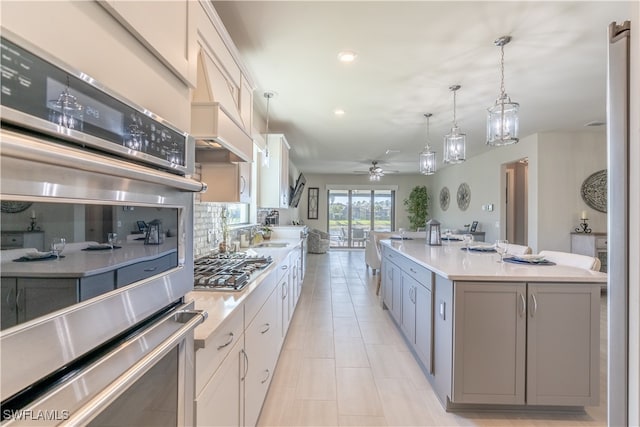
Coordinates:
x,y
40,93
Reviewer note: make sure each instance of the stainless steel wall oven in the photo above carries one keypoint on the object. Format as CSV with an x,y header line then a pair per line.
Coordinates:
x,y
98,333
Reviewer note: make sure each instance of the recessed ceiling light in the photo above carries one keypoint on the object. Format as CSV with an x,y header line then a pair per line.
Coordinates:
x,y
338,112
347,56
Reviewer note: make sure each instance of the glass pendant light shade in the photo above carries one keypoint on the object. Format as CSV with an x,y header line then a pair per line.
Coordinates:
x,y
455,146
455,142
503,124
427,157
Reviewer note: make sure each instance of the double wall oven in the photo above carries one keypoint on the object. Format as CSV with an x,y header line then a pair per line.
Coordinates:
x,y
94,331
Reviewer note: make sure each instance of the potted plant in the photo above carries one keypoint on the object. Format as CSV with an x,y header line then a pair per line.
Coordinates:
x,y
266,232
417,205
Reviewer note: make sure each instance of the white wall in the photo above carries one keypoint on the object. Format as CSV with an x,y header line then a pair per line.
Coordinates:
x,y
565,161
405,184
483,174
558,164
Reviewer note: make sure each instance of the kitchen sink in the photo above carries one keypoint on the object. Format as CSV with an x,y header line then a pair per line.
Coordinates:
x,y
271,245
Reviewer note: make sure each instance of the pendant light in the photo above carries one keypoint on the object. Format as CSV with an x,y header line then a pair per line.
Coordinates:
x,y
455,143
265,154
502,118
428,157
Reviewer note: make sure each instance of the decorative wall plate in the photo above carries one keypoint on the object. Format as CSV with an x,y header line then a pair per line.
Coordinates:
x,y
464,196
444,198
15,207
594,191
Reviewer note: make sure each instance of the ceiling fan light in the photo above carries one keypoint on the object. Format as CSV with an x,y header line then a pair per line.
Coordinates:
x,y
503,124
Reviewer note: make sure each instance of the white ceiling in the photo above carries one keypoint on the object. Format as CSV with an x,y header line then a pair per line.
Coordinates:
x,y
409,53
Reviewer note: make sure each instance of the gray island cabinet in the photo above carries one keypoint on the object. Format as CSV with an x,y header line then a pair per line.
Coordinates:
x,y
493,334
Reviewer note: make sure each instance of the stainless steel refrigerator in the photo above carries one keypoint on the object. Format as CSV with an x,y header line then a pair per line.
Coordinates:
x,y
618,220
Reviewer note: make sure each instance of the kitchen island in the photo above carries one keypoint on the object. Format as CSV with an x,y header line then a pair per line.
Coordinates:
x,y
494,334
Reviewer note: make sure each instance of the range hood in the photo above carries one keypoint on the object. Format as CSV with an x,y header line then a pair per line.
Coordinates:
x,y
216,123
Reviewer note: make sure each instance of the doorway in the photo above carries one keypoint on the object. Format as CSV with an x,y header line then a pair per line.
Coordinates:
x,y
516,201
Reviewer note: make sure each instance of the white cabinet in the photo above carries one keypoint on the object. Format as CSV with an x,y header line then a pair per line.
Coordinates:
x,y
591,244
535,344
262,340
220,402
274,177
227,182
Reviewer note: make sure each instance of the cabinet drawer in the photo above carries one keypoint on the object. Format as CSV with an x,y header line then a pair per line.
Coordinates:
x,y
421,274
12,240
217,346
601,243
258,297
142,270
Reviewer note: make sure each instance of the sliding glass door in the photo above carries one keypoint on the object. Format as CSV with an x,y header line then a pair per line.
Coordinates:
x,y
353,213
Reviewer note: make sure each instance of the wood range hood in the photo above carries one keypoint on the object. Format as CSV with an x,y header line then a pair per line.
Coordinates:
x,y
216,124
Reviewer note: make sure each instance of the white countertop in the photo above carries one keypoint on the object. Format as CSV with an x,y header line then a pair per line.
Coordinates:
x,y
81,263
452,262
220,305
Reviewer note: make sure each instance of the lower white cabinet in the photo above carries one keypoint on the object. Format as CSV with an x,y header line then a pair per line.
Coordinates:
x,y
235,368
220,403
535,344
262,348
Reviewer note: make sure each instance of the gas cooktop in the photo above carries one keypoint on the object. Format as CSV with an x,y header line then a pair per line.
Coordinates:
x,y
227,272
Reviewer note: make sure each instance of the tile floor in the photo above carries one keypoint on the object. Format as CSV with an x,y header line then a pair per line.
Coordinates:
x,y
344,363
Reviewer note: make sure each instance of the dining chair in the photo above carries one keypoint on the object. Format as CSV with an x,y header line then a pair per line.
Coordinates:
x,y
573,260
513,249
358,236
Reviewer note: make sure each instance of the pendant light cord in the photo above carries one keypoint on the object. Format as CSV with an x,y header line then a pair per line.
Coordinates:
x,y
502,91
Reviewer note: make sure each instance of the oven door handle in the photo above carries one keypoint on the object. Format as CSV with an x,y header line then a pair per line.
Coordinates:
x,y
110,393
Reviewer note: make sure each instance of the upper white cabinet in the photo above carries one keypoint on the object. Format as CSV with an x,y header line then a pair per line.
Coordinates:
x,y
166,35
274,177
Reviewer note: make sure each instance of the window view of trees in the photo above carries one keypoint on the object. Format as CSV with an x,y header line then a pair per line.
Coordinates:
x,y
353,213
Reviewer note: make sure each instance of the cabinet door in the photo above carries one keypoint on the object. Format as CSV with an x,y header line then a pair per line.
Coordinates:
x,y
489,343
424,326
408,312
245,182
284,177
396,289
442,338
220,402
283,306
563,347
8,309
261,345
386,273
37,297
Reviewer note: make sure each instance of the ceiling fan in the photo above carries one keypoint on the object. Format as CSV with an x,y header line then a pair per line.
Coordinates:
x,y
375,172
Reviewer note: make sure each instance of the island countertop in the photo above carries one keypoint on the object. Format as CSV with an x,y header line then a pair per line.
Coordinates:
x,y
453,262
83,263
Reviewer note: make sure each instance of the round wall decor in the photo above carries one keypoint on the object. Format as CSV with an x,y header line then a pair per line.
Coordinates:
x,y
594,191
464,196
444,198
15,207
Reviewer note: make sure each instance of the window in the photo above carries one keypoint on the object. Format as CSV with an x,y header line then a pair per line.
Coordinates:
x,y
352,213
